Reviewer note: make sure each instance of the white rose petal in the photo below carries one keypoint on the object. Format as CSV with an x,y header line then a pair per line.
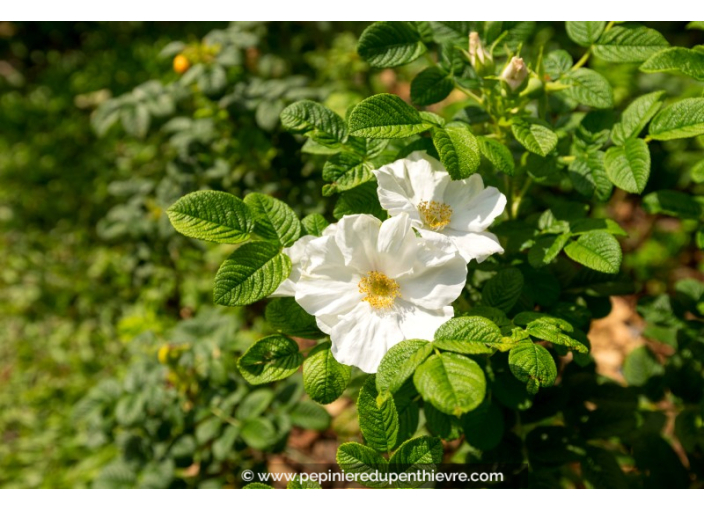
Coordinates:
x,y
439,207
371,285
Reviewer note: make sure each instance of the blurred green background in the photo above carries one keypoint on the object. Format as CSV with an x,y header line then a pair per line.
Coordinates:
x,y
113,363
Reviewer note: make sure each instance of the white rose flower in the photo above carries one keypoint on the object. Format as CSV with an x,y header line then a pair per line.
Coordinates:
x,y
440,207
297,254
371,285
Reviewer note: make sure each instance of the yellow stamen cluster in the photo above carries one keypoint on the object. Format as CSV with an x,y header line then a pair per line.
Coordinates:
x,y
380,290
436,215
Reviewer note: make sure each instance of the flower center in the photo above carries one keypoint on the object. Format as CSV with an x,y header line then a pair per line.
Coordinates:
x,y
436,215
380,290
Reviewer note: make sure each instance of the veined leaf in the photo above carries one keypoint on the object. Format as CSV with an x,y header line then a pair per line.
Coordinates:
x,y
251,273
584,33
212,216
588,174
673,203
390,44
386,116
588,88
378,418
498,154
315,121
324,378
458,150
468,335
417,455
270,359
286,316
430,86
676,60
399,363
314,224
273,218
556,331
504,289
533,365
636,116
534,135
596,250
629,43
357,458
454,384
628,165
346,171
683,119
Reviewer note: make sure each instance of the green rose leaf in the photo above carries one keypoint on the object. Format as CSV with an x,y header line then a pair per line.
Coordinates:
x,y
599,251
452,383
269,359
458,150
386,116
636,116
628,165
589,88
468,335
498,154
378,419
415,456
390,44
309,415
673,203
430,86
556,331
588,174
399,363
314,224
297,483
683,119
251,273
584,33
274,219
676,61
532,364
346,171
315,121
360,459
534,135
629,43
289,318
504,289
213,216
324,378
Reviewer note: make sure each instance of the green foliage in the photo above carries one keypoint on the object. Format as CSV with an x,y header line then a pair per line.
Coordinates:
x,y
212,216
386,116
452,383
390,44
458,150
682,119
105,301
324,377
629,43
599,251
270,359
